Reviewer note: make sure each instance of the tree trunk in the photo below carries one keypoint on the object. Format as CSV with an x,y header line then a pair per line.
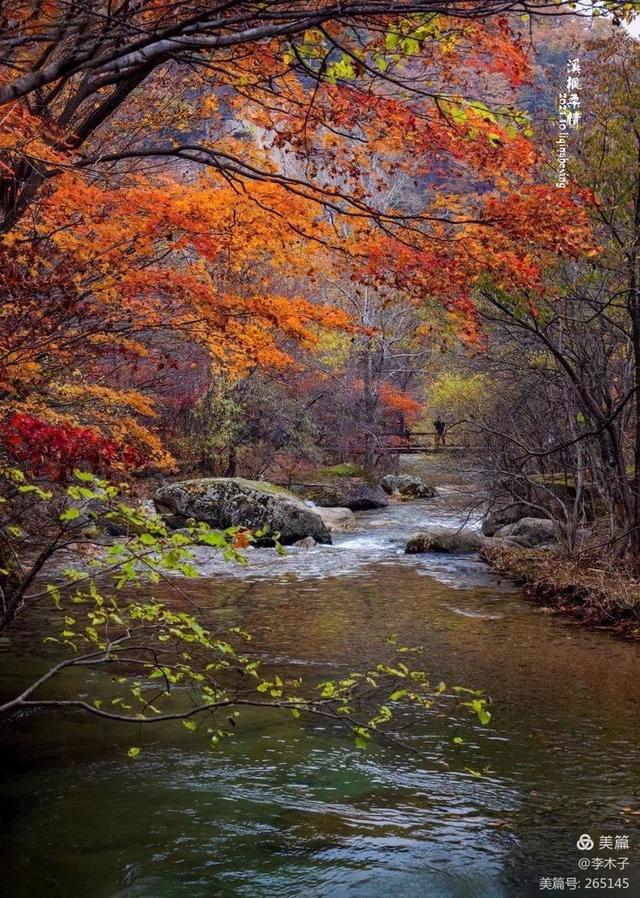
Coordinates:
x,y
634,312
370,399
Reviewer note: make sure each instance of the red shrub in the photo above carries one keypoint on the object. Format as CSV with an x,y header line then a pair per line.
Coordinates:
x,y
54,450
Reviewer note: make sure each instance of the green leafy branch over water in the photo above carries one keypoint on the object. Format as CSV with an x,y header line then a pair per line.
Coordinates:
x,y
166,661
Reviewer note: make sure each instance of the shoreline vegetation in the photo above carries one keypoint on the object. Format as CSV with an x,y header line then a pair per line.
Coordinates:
x,y
594,595
590,585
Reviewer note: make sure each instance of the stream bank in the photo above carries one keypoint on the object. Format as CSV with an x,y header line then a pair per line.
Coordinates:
x,y
290,808
595,596
589,589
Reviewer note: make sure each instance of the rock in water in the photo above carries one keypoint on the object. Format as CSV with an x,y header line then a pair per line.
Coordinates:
x,y
499,517
407,486
307,543
225,502
440,539
529,532
338,520
354,493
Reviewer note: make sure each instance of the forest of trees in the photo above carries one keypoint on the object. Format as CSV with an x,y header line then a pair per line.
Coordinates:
x,y
264,265
307,218
256,239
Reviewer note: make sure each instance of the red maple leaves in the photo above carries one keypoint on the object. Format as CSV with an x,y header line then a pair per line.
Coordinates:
x,y
54,450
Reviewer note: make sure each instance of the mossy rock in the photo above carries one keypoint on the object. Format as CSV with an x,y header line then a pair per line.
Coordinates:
x,y
225,502
529,532
440,539
355,493
407,486
346,469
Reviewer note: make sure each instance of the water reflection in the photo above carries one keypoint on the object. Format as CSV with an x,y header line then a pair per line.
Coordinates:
x,y
286,810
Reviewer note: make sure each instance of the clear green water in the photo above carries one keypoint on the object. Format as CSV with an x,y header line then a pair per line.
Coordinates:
x,y
287,810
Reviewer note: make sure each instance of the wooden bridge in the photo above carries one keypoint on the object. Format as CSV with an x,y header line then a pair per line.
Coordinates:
x,y
394,445
424,441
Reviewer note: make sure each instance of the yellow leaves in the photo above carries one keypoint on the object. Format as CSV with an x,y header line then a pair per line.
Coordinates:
x,y
18,369
458,393
313,36
131,431
130,400
120,344
333,348
448,43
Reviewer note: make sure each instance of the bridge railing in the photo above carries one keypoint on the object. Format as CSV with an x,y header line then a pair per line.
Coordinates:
x,y
415,442
427,439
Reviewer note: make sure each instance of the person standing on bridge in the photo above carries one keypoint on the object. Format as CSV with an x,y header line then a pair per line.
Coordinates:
x,y
440,428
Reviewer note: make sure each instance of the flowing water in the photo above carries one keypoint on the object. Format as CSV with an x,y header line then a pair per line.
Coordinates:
x,y
291,808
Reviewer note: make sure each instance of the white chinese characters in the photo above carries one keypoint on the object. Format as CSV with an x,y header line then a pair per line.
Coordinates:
x,y
569,117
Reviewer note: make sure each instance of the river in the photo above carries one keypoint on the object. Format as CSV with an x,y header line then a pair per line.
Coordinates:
x,y
291,808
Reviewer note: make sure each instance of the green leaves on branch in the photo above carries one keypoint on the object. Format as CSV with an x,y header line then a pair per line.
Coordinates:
x,y
464,113
168,661
389,689
335,59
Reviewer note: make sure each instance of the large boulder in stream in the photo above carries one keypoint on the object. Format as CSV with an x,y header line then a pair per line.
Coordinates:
x,y
355,493
528,532
500,516
407,486
338,520
442,539
225,502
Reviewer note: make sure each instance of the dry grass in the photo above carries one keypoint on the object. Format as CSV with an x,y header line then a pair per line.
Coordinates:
x,y
600,592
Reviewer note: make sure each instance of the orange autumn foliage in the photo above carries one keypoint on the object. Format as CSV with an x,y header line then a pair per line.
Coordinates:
x,y
342,148
399,401
123,264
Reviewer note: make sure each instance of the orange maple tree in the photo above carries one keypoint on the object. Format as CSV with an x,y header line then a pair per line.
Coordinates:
x,y
179,175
